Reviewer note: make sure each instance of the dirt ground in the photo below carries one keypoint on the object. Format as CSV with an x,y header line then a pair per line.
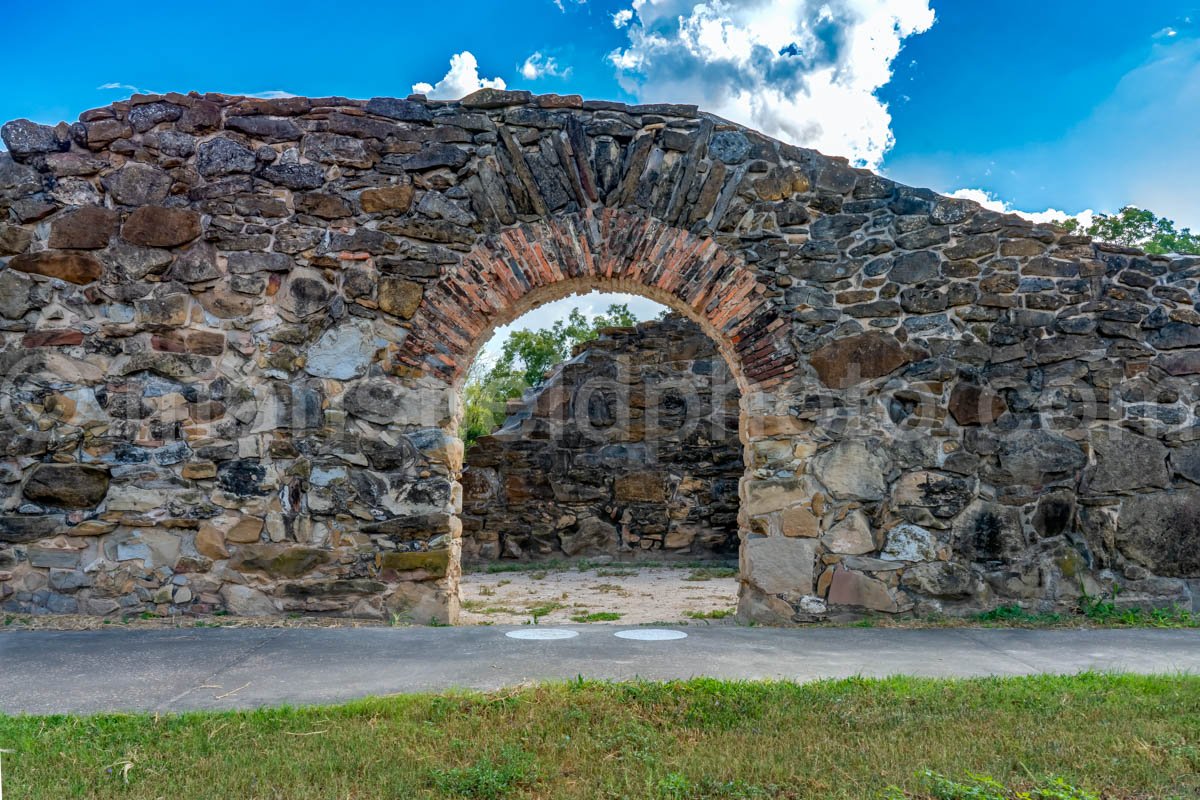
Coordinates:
x,y
628,595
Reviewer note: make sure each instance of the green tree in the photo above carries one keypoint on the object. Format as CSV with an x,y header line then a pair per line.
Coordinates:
x,y
1138,227
525,358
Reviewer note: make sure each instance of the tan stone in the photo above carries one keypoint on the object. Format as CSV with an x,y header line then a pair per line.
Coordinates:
x,y
245,531
849,588
387,198
210,542
799,521
852,536
775,494
400,297
779,564
640,487
199,470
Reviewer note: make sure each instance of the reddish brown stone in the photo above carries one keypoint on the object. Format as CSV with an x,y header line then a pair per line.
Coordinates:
x,y
848,361
87,228
79,268
205,343
974,405
52,338
154,226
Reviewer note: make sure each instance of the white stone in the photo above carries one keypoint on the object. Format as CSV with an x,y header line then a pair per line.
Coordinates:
x,y
908,542
852,536
779,564
343,352
852,471
246,602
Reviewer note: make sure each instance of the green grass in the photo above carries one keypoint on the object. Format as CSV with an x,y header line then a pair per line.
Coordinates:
x,y
1097,611
709,573
1107,736
597,616
716,613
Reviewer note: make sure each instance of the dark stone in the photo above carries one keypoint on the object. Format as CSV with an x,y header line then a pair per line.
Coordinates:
x,y
15,300
988,532
732,147
25,138
15,240
836,226
196,264
250,263
403,110
22,528
1037,457
224,156
268,129
145,116
138,184
1125,461
918,267
295,176
495,98
67,485
1055,513
436,155
1174,335
334,148
1160,531
243,478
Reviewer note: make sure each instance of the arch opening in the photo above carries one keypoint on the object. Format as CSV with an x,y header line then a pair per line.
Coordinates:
x,y
612,479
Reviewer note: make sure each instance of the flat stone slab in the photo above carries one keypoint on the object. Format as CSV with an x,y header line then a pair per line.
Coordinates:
x,y
48,672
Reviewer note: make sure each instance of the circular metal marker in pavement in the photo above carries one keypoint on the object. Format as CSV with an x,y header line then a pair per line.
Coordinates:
x,y
542,634
650,634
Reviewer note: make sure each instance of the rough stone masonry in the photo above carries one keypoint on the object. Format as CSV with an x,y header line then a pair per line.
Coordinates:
x,y
629,449
233,331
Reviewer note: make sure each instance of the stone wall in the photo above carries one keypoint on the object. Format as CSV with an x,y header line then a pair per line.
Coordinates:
x,y
233,330
629,449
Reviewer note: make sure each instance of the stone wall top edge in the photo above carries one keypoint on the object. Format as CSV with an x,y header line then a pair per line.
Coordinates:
x,y
495,102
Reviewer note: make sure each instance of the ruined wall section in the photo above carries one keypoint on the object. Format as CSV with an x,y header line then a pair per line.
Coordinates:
x,y
629,449
232,331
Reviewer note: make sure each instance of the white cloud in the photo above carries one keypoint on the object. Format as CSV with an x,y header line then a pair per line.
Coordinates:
x,y
462,79
805,71
542,66
126,88
993,203
270,94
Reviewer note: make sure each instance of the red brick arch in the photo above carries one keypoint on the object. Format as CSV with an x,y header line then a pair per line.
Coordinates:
x,y
508,273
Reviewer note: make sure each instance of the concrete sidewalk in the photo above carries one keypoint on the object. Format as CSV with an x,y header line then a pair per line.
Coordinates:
x,y
46,672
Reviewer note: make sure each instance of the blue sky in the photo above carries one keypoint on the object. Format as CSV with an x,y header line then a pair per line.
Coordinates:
x,y
1056,104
